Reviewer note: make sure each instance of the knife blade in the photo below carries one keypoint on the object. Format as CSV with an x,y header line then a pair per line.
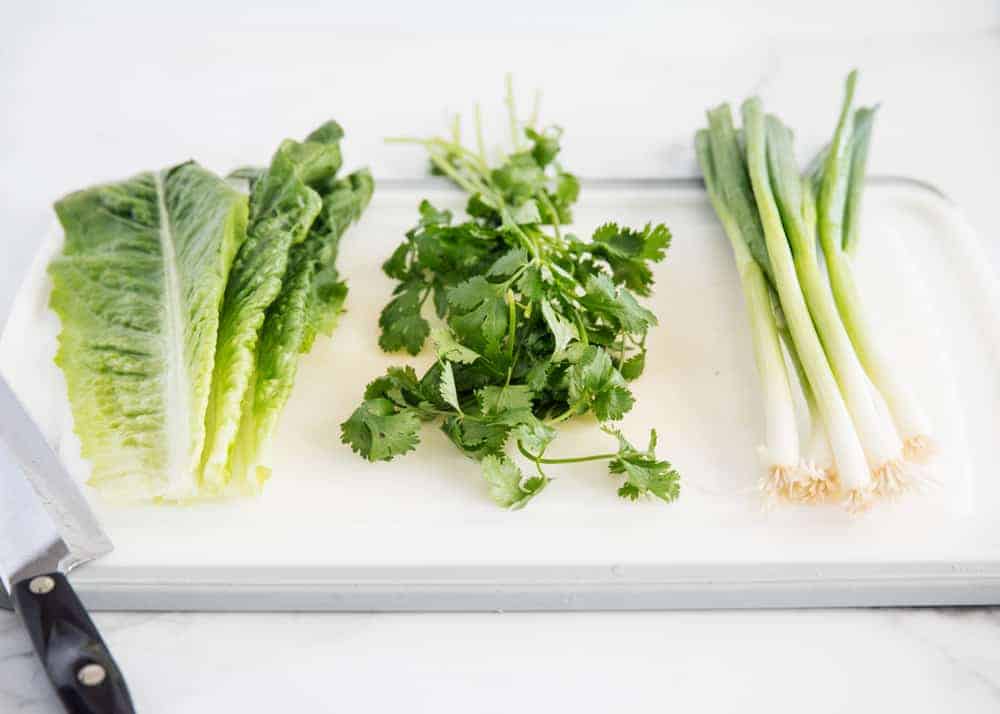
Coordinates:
x,y
46,529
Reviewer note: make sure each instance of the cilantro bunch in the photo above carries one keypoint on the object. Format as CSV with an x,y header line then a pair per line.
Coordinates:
x,y
535,325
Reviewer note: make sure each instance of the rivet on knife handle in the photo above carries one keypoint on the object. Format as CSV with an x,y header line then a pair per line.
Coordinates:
x,y
77,661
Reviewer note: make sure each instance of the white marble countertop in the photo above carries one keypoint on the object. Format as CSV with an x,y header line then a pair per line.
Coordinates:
x,y
90,95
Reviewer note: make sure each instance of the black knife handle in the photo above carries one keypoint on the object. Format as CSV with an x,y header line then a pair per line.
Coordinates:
x,y
75,657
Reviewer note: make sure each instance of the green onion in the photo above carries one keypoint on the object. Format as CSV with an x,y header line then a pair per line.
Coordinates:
x,y
852,468
881,444
842,181
862,415
780,452
818,477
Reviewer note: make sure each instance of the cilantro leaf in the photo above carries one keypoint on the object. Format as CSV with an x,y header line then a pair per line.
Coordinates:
x,y
628,253
379,431
495,400
650,243
633,367
440,295
520,179
644,473
447,388
534,436
616,305
479,207
397,266
545,145
563,331
448,348
594,383
401,386
530,284
526,213
470,294
476,437
612,403
400,381
508,487
567,190
430,216
509,263
478,314
537,376
453,253
481,433
403,327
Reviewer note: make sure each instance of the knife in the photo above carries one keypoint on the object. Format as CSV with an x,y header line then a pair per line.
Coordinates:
x,y
46,529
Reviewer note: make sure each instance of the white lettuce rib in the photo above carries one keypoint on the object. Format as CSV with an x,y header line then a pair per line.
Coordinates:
x,y
176,383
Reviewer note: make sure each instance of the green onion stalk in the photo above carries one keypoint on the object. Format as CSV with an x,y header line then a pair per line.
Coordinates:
x,y
818,481
788,474
849,455
882,445
779,454
841,182
865,424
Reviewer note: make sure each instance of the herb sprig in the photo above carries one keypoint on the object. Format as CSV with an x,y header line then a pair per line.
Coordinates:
x,y
536,325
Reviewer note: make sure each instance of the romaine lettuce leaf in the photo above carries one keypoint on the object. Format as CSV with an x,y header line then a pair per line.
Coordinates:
x,y
311,298
283,206
341,206
138,289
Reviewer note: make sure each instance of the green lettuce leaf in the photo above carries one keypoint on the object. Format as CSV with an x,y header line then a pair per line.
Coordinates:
x,y
342,206
138,289
284,203
310,301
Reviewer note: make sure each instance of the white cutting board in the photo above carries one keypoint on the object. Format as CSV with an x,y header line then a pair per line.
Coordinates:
x,y
334,532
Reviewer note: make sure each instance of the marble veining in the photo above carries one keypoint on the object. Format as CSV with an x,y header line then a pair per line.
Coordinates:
x,y
971,662
917,660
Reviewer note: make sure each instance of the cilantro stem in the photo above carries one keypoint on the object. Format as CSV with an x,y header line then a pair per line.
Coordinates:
x,y
471,180
535,109
552,212
485,187
474,180
477,163
480,141
562,417
450,171
580,327
570,460
511,323
515,139
513,278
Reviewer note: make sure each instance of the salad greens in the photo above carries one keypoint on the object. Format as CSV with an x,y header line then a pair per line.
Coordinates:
x,y
283,205
138,288
186,302
774,219
535,325
184,307
309,303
